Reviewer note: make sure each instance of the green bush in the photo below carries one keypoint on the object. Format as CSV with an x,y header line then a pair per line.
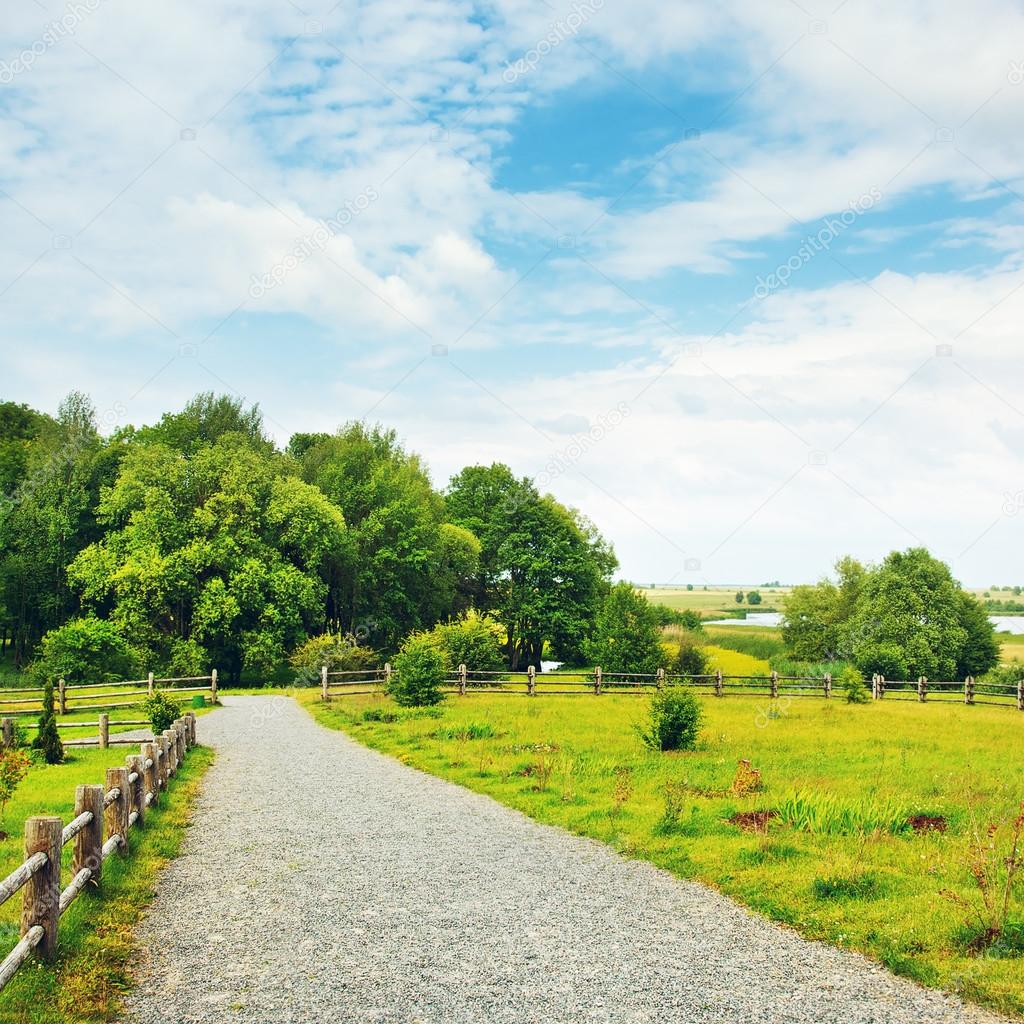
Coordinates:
x,y
162,711
47,739
475,641
691,659
338,652
88,650
419,672
853,685
626,634
673,722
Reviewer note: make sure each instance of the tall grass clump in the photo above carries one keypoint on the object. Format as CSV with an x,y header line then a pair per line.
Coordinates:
x,y
825,814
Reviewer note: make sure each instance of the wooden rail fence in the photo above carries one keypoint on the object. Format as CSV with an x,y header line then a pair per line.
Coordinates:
x,y
67,700
466,682
113,810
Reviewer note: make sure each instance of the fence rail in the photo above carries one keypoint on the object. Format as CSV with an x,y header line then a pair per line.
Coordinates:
x,y
68,701
466,682
112,810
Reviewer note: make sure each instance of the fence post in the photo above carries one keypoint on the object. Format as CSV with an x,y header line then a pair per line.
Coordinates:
x,y
922,689
161,742
193,718
137,765
152,772
463,678
8,732
531,680
387,675
62,697
89,842
828,686
172,760
323,683
116,814
775,683
881,686
969,690
718,683
660,679
213,687
40,901
104,731
149,684
1020,694
179,735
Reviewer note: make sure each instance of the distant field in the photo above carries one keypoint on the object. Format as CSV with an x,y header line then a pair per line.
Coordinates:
x,y
716,599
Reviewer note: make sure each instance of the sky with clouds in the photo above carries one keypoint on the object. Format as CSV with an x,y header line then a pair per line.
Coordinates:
x,y
741,281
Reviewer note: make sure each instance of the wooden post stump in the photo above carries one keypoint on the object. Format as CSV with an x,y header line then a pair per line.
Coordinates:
x,y
40,901
116,814
213,687
531,681
922,689
88,852
324,695
104,730
136,766
161,743
597,680
775,684
969,690
718,683
387,675
172,758
463,677
151,770
62,697
828,686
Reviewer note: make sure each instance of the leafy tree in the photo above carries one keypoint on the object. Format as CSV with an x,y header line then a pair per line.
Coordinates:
x,y
739,597
338,652
907,619
47,737
420,668
852,684
754,597
626,636
204,421
217,555
691,659
980,651
815,616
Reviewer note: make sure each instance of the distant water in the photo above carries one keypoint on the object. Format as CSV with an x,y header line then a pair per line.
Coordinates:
x,y
752,619
550,666
1003,623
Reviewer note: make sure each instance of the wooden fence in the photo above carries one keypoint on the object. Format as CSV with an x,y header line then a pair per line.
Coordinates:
x,y
466,682
69,699
112,810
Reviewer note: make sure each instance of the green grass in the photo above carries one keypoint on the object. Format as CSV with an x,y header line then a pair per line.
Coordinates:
x,y
835,859
96,944
715,599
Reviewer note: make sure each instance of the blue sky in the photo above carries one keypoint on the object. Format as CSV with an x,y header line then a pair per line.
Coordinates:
x,y
590,254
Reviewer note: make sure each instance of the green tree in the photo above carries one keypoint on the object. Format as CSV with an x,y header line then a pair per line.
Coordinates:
x,y
47,737
816,616
739,597
217,556
980,651
86,650
420,668
626,635
204,421
754,597
475,641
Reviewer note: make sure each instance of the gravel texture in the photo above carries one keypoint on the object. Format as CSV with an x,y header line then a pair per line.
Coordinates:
x,y
321,881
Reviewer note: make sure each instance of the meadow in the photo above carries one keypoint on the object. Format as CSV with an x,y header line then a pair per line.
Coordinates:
x,y
715,600
827,842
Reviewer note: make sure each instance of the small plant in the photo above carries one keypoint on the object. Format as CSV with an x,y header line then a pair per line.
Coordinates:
x,y
824,814
419,672
674,794
162,711
995,863
674,718
469,731
47,739
853,686
623,791
14,765
746,780
860,886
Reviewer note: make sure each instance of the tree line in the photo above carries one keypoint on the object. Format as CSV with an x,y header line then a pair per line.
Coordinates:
x,y
196,541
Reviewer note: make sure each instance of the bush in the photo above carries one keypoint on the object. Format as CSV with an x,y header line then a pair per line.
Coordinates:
x,y
88,650
48,738
419,673
626,635
162,711
338,652
853,685
14,767
474,641
691,659
674,718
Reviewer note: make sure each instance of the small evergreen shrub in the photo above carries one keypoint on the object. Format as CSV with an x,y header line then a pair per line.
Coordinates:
x,y
853,685
47,739
162,711
673,722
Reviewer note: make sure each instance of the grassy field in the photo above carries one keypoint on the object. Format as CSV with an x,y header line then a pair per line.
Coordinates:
x,y
714,599
859,772
96,934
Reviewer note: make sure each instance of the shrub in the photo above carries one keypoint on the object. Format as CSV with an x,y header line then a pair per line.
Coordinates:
x,y
674,718
474,641
691,659
13,768
419,672
88,650
162,711
853,685
48,738
626,636
338,652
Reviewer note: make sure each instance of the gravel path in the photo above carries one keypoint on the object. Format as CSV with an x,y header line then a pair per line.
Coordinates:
x,y
321,881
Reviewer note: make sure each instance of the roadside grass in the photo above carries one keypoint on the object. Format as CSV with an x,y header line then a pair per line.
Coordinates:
x,y
97,949
824,846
